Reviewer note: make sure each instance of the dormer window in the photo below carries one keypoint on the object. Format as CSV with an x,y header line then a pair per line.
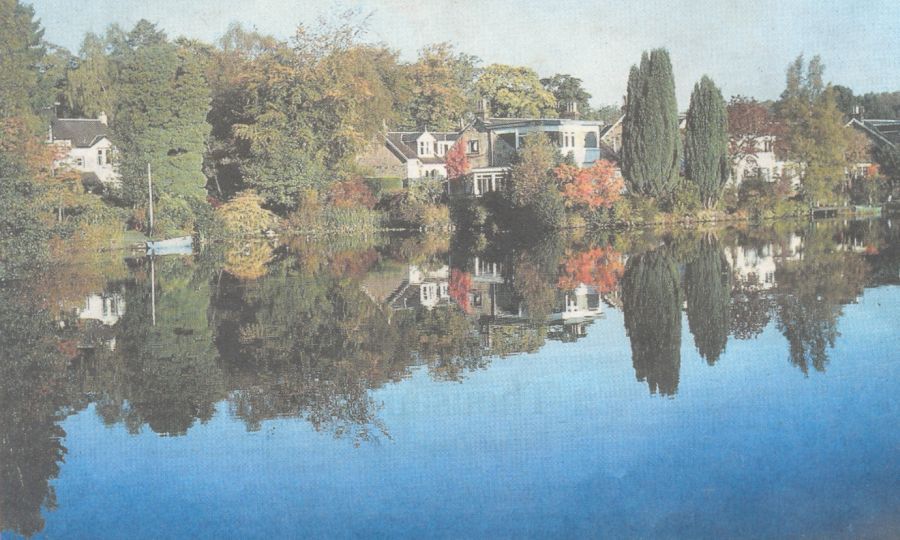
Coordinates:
x,y
472,146
425,148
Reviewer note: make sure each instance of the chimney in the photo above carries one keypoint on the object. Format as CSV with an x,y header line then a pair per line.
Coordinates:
x,y
858,113
483,110
103,119
571,110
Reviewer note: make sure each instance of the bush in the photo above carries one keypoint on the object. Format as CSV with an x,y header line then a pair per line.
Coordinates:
x,y
686,198
244,214
407,210
383,186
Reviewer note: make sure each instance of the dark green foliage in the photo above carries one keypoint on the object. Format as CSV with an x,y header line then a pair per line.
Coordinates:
x,y
170,376
532,197
160,116
888,160
21,50
706,141
651,144
708,293
652,307
880,105
33,398
23,236
568,89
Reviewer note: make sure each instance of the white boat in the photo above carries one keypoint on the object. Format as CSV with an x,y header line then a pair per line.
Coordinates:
x,y
183,245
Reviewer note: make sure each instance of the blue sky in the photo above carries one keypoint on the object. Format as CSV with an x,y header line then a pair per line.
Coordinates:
x,y
744,50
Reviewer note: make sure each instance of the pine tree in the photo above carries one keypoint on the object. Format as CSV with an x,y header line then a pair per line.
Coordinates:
x,y
651,144
706,141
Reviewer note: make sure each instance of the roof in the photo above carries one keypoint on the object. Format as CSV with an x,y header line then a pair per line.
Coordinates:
x,y
403,143
82,132
505,123
881,131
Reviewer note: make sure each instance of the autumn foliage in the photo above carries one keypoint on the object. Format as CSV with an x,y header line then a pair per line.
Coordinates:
x,y
600,267
456,160
352,193
460,284
592,187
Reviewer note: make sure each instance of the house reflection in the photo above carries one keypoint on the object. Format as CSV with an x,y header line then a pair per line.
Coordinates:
x,y
422,288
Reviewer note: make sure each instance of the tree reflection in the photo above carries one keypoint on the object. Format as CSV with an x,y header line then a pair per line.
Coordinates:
x,y
170,376
652,307
708,292
812,290
751,310
33,400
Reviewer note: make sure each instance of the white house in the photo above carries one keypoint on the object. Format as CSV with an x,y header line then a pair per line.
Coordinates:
x,y
760,163
105,308
86,148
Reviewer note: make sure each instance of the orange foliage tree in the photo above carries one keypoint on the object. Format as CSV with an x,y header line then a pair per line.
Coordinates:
x,y
600,267
592,187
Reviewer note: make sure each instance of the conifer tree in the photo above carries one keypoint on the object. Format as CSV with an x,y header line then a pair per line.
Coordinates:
x,y
706,141
651,144
651,299
707,285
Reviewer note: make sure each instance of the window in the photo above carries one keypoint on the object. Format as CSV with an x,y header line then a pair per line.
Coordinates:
x,y
79,162
768,145
472,147
425,148
568,139
99,156
590,140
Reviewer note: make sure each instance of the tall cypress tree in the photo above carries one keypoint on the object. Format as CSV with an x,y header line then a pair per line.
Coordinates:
x,y
651,299
651,145
706,141
707,285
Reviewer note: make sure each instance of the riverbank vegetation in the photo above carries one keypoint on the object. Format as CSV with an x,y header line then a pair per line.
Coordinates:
x,y
279,123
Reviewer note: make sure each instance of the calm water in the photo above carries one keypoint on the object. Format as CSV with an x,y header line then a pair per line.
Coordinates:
x,y
730,383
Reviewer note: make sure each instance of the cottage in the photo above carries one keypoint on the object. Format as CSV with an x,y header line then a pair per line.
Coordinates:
x,y
86,148
490,145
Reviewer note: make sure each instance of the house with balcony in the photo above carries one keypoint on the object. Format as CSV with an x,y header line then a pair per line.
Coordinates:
x,y
491,145
85,147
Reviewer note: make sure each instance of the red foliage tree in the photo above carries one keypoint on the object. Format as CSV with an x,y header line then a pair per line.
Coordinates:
x,y
460,284
600,267
592,187
456,160
748,120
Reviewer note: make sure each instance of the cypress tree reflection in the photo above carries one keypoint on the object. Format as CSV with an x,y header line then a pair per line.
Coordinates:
x,y
652,307
708,292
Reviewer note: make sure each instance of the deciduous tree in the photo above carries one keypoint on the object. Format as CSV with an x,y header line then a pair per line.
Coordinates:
x,y
515,92
591,187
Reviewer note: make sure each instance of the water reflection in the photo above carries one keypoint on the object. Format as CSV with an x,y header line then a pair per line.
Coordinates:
x,y
308,330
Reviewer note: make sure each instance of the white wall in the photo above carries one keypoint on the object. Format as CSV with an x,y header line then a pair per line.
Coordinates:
x,y
85,160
